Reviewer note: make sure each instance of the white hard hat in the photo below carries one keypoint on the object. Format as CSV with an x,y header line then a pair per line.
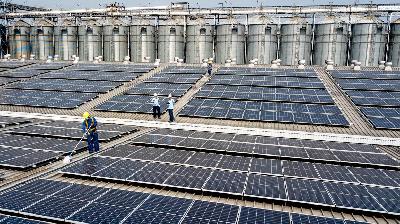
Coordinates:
x,y
170,95
155,94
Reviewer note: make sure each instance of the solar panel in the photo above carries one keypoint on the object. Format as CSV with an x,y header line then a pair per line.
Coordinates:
x,y
352,196
266,166
160,209
265,94
121,151
300,219
204,159
174,78
120,170
91,75
89,166
225,181
299,169
349,74
162,89
13,64
211,212
11,121
234,163
7,80
388,198
18,220
64,85
189,177
250,215
334,172
372,176
72,130
308,191
155,173
131,103
264,186
67,100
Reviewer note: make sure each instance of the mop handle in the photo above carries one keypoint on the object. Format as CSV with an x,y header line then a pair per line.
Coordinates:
x,y
87,131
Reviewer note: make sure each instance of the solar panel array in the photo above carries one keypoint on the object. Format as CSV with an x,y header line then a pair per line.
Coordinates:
x,y
10,121
62,201
299,171
67,88
36,144
376,93
14,64
264,94
172,80
16,220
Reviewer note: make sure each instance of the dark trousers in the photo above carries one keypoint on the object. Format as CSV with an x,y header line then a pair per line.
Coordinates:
x,y
171,115
209,72
93,142
156,112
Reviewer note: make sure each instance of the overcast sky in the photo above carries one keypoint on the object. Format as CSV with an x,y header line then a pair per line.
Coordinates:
x,y
74,4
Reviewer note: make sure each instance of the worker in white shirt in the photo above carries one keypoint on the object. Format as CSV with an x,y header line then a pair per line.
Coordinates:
x,y
170,108
156,106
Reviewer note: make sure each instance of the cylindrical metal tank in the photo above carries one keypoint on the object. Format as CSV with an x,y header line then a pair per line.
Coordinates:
x,y
230,43
115,41
171,40
394,43
296,38
89,40
142,41
199,41
262,40
19,39
330,42
42,39
65,40
368,41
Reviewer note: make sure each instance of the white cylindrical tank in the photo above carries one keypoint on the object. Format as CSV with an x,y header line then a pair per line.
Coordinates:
x,y
19,39
330,41
42,39
368,41
115,41
296,38
65,40
143,41
90,40
199,41
394,43
262,40
171,40
230,42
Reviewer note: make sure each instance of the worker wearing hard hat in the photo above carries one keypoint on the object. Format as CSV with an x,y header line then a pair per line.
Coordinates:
x,y
89,126
156,106
170,108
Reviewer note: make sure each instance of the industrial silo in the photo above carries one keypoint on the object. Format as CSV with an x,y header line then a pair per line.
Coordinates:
x,y
115,41
142,41
171,40
394,43
330,43
65,40
19,39
262,41
368,41
230,43
296,37
199,41
42,39
89,40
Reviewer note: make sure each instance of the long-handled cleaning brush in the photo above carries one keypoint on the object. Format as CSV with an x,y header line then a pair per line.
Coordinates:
x,y
68,158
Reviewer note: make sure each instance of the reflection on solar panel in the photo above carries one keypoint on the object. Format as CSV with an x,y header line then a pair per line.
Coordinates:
x,y
131,103
21,158
10,121
91,75
376,93
57,200
265,94
67,100
162,89
265,111
258,94
66,85
72,130
175,78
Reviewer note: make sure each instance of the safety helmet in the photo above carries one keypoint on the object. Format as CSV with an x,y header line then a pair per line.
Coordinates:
x,y
169,95
155,94
86,115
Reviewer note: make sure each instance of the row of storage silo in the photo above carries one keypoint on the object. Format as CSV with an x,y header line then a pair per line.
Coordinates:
x,y
196,40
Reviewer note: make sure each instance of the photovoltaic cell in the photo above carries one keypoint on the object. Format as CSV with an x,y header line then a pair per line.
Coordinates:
x,y
208,212
250,215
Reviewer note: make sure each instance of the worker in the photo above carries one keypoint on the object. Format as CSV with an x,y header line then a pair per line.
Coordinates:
x,y
89,126
209,67
156,106
170,108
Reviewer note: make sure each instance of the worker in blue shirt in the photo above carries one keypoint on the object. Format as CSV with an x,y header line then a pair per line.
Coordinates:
x,y
170,108
89,125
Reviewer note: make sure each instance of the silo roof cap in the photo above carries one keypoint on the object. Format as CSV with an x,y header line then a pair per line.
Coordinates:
x,y
261,19
21,23
365,19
